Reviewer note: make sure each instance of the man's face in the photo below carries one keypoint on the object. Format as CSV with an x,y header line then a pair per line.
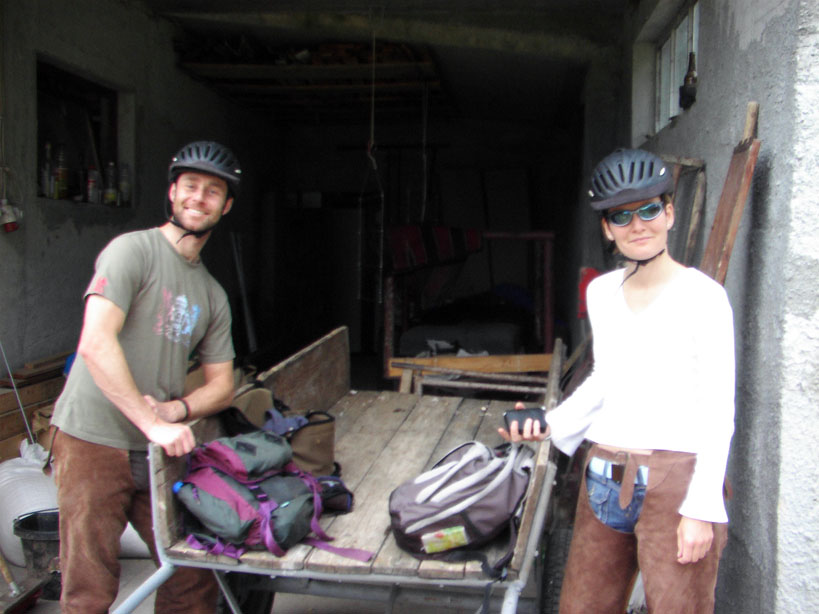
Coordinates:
x,y
199,200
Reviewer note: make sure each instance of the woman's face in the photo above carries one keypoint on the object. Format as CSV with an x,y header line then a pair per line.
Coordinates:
x,y
639,238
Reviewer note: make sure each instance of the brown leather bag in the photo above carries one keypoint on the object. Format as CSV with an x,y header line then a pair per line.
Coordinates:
x,y
314,444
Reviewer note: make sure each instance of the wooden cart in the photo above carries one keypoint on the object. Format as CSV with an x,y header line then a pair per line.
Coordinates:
x,y
382,439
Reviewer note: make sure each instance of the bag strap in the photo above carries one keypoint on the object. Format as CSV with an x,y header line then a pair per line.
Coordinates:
x,y
506,468
350,553
473,453
214,545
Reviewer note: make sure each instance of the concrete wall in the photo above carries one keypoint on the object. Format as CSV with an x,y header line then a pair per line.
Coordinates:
x,y
798,507
47,263
765,51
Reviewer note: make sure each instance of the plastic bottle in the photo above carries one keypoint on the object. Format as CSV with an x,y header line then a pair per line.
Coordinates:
x,y
61,175
109,196
92,186
124,185
46,185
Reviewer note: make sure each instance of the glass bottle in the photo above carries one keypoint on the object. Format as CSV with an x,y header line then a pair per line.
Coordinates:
x,y
124,185
61,175
46,180
109,196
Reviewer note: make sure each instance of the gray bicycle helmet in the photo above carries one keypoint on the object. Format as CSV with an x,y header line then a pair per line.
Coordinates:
x,y
207,157
626,176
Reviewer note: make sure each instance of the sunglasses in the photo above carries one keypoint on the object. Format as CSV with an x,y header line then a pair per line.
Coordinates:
x,y
647,212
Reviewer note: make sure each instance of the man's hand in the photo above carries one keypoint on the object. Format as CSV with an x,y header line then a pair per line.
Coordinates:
x,y
528,431
694,539
169,411
175,439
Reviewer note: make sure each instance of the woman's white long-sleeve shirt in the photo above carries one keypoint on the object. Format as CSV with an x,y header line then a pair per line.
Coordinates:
x,y
663,379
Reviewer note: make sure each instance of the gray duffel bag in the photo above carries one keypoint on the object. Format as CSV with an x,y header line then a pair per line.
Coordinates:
x,y
465,501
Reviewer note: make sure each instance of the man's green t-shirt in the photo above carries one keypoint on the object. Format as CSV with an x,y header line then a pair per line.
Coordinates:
x,y
174,310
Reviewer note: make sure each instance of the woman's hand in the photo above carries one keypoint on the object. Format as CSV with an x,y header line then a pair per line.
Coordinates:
x,y
694,539
528,431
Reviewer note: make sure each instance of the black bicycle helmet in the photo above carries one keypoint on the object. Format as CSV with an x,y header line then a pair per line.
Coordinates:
x,y
626,176
207,157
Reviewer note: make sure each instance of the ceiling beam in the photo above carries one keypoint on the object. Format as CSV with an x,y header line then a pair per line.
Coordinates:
x,y
560,45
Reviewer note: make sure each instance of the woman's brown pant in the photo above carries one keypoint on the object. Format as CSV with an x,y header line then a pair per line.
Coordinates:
x,y
603,562
97,496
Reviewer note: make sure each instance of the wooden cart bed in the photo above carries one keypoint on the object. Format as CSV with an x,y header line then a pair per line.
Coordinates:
x,y
382,439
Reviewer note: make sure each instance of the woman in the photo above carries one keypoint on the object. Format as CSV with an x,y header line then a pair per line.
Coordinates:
x,y
658,409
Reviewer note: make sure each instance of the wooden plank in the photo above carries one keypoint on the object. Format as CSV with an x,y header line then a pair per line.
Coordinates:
x,y
492,418
499,363
391,558
356,449
462,428
406,453
696,217
11,422
350,408
732,201
537,487
34,393
55,358
315,377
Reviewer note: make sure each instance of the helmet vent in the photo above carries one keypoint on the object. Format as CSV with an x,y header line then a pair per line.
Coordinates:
x,y
613,179
208,157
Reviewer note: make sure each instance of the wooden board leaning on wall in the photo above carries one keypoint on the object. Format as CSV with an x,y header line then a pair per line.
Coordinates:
x,y
38,401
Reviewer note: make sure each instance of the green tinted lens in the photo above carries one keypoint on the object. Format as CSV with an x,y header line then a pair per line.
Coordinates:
x,y
650,211
620,218
647,213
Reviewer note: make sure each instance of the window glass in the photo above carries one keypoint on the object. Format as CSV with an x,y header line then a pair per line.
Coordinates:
x,y
672,63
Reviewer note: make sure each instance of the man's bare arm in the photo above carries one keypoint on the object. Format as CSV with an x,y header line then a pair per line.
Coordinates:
x,y
214,395
100,349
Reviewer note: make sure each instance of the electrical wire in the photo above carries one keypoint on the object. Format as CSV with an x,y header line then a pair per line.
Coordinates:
x,y
372,169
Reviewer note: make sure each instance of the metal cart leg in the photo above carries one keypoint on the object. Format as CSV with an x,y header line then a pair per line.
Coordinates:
x,y
142,592
227,593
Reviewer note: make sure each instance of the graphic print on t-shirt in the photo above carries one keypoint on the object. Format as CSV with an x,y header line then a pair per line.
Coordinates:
x,y
177,318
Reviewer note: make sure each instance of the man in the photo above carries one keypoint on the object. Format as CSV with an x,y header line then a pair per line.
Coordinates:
x,y
150,305
658,409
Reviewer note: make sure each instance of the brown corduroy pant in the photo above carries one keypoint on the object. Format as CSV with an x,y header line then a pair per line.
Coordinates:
x,y
98,493
603,562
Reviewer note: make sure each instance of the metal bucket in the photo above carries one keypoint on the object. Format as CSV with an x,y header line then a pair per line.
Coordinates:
x,y
39,533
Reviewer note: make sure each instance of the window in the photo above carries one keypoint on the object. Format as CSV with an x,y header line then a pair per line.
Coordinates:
x,y
673,54
79,125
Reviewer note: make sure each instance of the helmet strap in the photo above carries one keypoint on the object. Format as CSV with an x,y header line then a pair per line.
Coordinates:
x,y
639,263
188,232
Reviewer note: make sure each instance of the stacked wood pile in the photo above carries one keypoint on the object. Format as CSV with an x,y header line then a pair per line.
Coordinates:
x,y
38,386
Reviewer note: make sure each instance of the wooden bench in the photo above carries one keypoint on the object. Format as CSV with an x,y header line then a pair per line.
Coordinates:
x,y
382,439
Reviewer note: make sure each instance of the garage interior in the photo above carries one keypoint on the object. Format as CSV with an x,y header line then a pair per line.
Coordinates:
x,y
485,115
395,116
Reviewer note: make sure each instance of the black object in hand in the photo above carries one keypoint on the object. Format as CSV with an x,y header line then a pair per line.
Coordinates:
x,y
520,416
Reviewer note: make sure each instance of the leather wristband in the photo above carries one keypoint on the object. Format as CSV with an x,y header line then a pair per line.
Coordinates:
x,y
187,409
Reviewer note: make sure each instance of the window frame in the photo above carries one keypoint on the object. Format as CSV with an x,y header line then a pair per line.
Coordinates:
x,y
671,63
